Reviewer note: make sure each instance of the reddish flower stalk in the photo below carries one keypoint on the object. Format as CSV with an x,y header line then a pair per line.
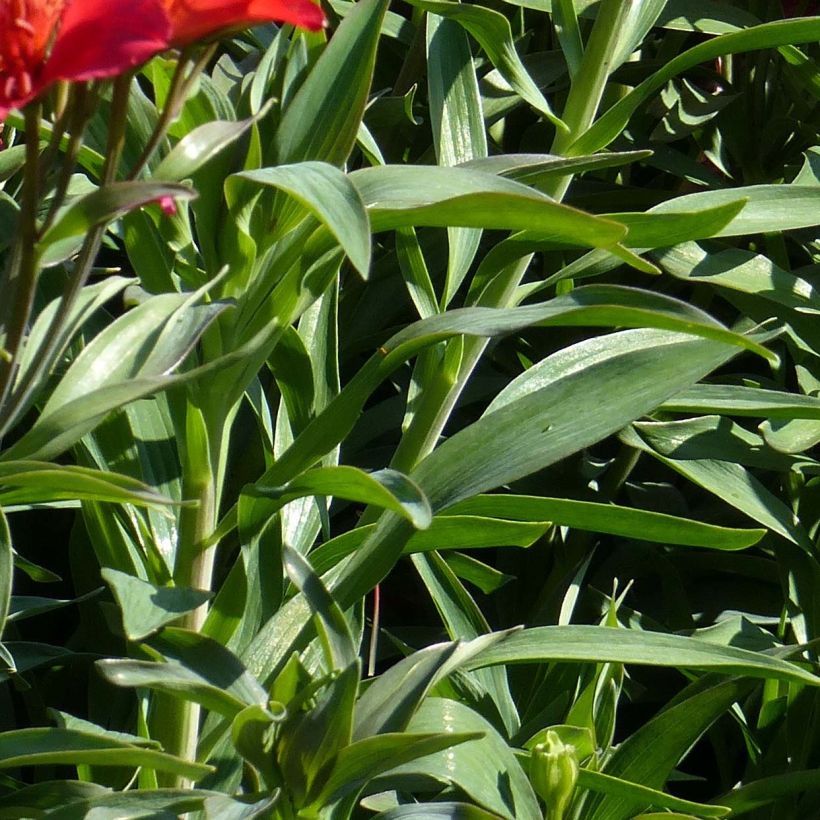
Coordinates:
x,y
43,41
197,19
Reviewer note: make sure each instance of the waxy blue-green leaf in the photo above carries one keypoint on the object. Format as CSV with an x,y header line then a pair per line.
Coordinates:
x,y
740,270
618,788
104,205
145,607
476,767
531,168
613,519
6,571
322,119
366,759
35,482
598,644
767,35
655,230
330,196
737,400
333,628
51,746
201,145
387,489
399,196
197,668
492,31
767,208
128,360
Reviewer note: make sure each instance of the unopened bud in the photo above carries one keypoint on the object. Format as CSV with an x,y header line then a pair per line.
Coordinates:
x,y
554,772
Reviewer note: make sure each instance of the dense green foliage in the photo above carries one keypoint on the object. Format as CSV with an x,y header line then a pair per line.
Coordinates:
x,y
447,449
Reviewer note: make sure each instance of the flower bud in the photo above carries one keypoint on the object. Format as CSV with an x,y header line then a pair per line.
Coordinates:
x,y
554,772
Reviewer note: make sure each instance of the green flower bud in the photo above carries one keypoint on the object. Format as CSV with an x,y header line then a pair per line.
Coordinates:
x,y
554,772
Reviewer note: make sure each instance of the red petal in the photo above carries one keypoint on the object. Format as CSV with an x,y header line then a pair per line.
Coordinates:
x,y
102,38
195,19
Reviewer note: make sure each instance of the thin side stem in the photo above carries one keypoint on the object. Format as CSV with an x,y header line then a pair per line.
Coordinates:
x,y
23,263
50,348
181,84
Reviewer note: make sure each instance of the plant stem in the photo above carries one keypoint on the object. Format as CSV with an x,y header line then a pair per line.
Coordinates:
x,y
175,723
181,84
21,281
50,348
589,82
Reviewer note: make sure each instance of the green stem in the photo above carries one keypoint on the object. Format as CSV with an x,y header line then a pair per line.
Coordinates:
x,y
589,82
22,278
175,723
50,347
181,84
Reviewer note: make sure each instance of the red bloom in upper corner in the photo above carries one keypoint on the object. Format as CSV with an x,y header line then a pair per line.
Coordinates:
x,y
42,41
195,19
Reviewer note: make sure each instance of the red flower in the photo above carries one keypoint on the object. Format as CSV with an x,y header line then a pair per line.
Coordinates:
x,y
42,41
195,19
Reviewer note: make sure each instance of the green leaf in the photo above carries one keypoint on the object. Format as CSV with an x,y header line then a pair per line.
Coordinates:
x,y
361,762
597,644
399,196
769,35
540,417
476,767
734,484
197,669
201,145
492,31
736,400
534,168
387,489
616,787
322,120
126,361
6,570
340,651
649,755
103,205
310,742
657,229
767,207
772,789
446,532
36,482
32,801
329,195
388,704
47,341
457,121
743,271
644,525
145,607
39,747
432,811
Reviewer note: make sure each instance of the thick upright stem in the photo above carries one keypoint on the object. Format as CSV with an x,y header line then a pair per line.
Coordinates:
x,y
175,723
589,82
